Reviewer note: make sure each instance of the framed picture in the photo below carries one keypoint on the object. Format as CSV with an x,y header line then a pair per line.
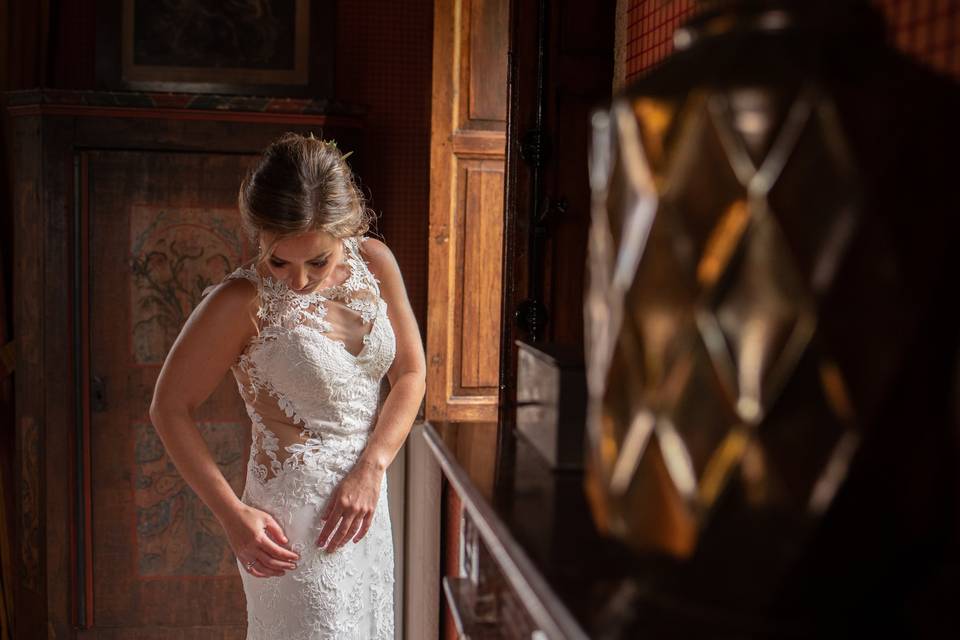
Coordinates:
x,y
271,47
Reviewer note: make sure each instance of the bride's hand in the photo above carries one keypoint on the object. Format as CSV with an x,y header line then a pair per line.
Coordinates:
x,y
252,534
355,500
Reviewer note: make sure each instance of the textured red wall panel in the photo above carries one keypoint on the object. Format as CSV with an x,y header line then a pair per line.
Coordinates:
x,y
650,27
929,30
384,58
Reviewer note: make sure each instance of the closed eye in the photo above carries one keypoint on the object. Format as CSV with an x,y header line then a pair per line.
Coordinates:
x,y
280,263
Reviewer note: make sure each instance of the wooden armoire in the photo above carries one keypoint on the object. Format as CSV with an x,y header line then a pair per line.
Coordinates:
x,y
125,208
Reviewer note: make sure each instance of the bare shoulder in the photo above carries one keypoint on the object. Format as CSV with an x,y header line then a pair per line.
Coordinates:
x,y
229,305
233,293
380,258
211,340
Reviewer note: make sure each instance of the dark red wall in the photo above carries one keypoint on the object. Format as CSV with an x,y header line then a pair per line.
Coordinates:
x,y
926,29
384,60
650,27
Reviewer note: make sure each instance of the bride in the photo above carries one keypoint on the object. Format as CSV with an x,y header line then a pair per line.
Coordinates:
x,y
309,329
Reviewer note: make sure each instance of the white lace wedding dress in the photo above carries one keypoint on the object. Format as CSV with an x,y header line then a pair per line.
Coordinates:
x,y
311,384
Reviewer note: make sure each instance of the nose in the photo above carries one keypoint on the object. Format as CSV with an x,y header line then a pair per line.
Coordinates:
x,y
298,280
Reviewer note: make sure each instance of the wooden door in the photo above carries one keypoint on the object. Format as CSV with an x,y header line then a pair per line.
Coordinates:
x,y
160,227
467,156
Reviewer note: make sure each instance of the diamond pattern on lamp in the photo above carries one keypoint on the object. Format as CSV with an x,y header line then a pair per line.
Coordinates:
x,y
727,382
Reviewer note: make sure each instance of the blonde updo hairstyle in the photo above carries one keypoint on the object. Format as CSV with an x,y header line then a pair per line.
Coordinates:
x,y
301,183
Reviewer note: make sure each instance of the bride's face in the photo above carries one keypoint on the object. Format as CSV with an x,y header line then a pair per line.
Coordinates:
x,y
305,262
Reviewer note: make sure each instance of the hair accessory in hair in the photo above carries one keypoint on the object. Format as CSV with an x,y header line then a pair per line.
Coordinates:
x,y
330,143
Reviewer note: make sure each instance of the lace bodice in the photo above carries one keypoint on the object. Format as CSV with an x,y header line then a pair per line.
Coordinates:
x,y
315,368
311,380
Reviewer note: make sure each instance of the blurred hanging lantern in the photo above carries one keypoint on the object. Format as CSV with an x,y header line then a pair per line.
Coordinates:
x,y
771,346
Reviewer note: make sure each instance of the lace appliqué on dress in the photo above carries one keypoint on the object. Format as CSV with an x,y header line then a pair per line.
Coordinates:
x,y
312,405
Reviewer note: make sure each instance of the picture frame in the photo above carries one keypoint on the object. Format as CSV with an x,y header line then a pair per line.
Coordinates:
x,y
272,47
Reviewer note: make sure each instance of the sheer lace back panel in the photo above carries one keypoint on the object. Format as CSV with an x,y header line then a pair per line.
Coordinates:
x,y
311,378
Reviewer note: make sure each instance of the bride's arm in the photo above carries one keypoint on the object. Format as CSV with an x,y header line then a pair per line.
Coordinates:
x,y
407,374
355,498
211,340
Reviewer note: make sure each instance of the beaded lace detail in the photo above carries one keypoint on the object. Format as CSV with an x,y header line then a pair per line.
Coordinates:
x,y
311,383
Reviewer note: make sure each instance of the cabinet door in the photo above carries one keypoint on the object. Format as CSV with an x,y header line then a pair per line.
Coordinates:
x,y
466,208
160,227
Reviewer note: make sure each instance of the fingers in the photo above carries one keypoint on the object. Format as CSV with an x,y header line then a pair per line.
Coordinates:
x,y
332,503
267,545
257,570
329,526
363,530
345,519
266,561
275,530
266,566
328,529
347,528
272,560
358,524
